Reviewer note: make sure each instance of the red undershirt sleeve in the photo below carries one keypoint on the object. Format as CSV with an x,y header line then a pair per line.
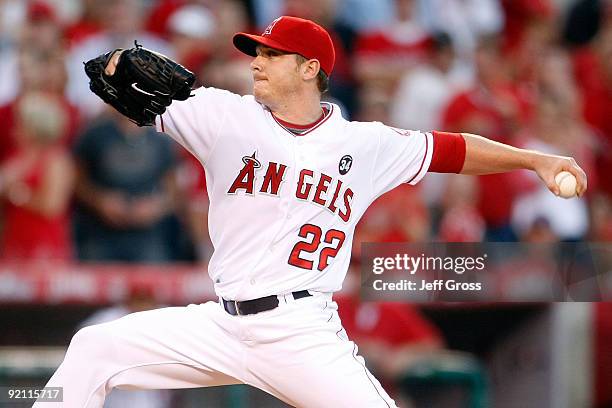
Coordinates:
x,y
448,152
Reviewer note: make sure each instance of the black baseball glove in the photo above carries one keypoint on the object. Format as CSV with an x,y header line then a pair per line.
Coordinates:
x,y
143,85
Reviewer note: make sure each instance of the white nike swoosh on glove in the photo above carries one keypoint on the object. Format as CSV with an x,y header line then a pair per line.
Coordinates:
x,y
135,86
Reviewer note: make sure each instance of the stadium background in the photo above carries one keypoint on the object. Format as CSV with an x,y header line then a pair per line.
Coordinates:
x,y
100,218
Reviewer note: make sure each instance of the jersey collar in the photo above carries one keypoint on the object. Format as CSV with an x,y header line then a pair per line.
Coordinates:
x,y
328,110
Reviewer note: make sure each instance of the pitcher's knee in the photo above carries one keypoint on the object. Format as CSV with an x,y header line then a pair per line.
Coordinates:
x,y
91,342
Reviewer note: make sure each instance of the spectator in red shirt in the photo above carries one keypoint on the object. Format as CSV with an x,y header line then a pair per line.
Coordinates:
x,y
391,336
36,183
384,55
41,71
493,107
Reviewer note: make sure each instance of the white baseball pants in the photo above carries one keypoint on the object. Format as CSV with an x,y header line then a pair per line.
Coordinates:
x,y
297,352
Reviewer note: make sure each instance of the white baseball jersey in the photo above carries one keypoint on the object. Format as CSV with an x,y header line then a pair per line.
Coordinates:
x,y
283,208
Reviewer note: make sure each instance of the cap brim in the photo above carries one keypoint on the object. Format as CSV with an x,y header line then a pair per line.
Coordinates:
x,y
247,43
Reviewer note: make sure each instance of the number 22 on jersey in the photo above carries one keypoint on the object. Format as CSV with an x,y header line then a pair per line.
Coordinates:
x,y
312,235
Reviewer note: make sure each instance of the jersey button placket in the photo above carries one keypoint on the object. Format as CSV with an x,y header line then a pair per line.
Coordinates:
x,y
299,150
285,208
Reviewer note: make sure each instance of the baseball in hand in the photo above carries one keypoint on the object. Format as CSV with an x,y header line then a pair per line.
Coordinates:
x,y
567,184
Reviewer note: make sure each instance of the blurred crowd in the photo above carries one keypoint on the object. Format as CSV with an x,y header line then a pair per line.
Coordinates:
x,y
79,181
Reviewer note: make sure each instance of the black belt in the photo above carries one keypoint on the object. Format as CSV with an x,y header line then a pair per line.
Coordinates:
x,y
263,304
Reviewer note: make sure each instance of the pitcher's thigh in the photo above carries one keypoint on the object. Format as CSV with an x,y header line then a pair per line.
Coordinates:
x,y
179,347
187,344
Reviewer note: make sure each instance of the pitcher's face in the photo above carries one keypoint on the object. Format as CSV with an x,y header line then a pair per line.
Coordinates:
x,y
275,76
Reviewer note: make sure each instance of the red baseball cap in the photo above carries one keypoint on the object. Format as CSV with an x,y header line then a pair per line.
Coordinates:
x,y
293,35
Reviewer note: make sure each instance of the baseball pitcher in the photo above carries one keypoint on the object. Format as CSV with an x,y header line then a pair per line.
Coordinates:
x,y
288,179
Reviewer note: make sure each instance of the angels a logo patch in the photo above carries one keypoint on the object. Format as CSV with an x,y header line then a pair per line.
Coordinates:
x,y
346,162
269,29
246,176
251,160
